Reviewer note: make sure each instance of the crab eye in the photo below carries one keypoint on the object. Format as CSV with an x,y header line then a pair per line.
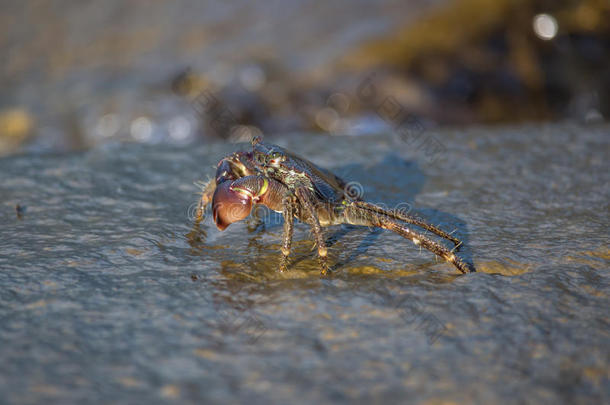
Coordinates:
x,y
276,158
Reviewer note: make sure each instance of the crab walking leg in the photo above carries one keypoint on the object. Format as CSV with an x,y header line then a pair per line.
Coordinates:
x,y
357,216
288,213
306,201
429,244
206,198
410,220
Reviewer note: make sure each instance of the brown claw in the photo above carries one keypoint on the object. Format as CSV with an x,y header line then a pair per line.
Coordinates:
x,y
230,205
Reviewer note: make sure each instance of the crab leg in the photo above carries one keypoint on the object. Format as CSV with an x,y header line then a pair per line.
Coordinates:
x,y
303,195
206,198
410,220
356,215
288,213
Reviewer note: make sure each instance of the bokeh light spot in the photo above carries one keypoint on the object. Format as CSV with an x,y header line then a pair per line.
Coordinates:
x,y
141,129
545,26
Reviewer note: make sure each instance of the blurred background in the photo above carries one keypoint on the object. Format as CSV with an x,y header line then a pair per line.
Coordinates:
x,y
76,74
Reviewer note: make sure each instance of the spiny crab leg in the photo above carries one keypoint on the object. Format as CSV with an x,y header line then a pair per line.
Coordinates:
x,y
410,220
288,213
355,214
307,202
206,198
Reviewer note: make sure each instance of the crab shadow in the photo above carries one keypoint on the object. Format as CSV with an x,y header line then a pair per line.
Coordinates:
x,y
391,182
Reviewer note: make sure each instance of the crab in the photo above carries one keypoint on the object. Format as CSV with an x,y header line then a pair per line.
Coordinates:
x,y
297,188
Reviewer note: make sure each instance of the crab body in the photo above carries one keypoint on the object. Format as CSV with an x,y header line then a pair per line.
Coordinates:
x,y
286,183
294,171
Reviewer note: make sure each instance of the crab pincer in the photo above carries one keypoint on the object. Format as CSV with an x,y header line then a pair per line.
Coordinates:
x,y
233,200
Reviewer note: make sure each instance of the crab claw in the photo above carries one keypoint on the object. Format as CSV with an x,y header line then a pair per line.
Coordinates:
x,y
230,205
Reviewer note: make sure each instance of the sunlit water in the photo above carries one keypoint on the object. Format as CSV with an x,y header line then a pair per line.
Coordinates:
x,y
108,292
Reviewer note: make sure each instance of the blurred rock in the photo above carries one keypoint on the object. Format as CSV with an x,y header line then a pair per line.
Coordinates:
x,y
87,73
499,61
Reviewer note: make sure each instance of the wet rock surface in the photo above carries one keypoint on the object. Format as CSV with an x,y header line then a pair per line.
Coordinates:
x,y
108,291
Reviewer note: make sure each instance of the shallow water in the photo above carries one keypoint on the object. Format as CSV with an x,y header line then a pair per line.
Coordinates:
x,y
108,292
